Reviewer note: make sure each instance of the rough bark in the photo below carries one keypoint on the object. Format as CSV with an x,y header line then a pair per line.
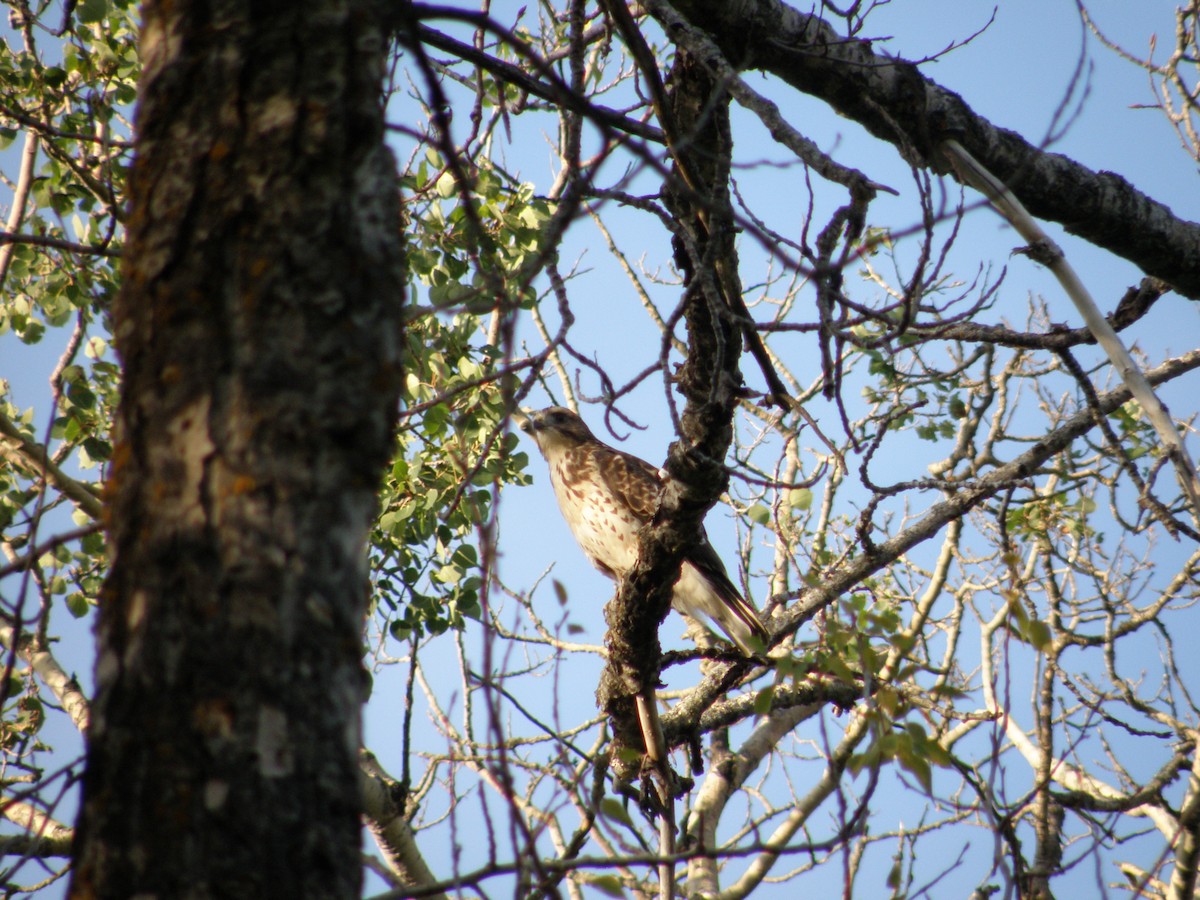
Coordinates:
x,y
708,379
259,329
893,100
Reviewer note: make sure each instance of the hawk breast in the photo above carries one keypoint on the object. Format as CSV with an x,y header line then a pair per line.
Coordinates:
x,y
595,507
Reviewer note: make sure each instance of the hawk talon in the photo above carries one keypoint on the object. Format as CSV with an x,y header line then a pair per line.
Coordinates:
x,y
649,799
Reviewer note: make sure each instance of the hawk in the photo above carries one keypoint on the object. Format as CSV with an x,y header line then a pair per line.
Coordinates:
x,y
606,496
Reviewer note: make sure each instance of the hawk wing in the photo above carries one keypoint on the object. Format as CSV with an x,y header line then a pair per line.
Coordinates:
x,y
634,489
638,485
632,481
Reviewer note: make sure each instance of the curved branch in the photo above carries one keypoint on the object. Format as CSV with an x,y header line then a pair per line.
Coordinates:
x,y
1049,254
386,821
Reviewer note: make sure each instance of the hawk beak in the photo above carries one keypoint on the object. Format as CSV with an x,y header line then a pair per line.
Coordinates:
x,y
525,421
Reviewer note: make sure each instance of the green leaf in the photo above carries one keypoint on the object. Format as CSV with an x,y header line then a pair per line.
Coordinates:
x,y
451,293
759,514
90,12
77,605
446,186
449,574
1038,633
893,876
917,765
763,700
629,754
54,76
81,396
612,808
609,885
800,498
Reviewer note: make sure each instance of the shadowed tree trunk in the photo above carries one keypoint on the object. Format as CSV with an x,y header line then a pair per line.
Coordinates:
x,y
259,328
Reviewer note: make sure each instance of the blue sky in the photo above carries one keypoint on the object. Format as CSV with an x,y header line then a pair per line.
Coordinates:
x,y
1016,73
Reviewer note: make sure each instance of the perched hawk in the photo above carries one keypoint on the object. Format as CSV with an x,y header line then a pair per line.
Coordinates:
x,y
606,496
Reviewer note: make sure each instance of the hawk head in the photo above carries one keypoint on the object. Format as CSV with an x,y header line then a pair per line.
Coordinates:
x,y
556,428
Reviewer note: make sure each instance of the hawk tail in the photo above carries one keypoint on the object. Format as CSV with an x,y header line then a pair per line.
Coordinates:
x,y
704,589
740,622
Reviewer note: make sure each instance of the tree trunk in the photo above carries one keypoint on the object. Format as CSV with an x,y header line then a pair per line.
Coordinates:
x,y
259,325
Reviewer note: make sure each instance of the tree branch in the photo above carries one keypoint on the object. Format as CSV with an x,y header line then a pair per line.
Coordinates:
x,y
894,101
1048,254
385,817
45,836
65,688
31,457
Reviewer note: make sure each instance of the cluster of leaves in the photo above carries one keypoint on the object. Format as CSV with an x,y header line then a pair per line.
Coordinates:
x,y
453,454
929,403
22,719
471,244
74,98
67,84
66,91
15,491
440,489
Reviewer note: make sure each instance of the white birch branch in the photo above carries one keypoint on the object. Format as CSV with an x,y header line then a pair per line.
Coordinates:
x,y
64,687
1063,773
1051,255
387,823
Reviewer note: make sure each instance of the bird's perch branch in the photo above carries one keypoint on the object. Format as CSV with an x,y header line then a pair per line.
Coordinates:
x,y
698,196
